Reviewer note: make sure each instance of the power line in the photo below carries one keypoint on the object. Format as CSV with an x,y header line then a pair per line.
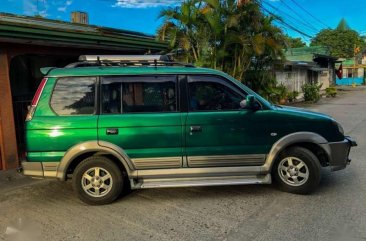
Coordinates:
x,y
286,24
297,4
280,20
289,18
301,17
293,21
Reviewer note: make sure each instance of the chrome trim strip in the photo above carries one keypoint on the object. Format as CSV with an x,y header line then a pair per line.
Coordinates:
x,y
226,160
205,181
157,162
185,162
198,172
50,169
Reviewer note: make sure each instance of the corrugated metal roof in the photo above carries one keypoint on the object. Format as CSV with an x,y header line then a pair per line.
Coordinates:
x,y
305,53
40,22
39,30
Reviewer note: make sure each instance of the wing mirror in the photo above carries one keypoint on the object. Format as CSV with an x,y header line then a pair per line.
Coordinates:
x,y
248,103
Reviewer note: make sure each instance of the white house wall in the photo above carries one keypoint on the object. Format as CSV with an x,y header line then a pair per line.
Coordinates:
x,y
324,79
293,80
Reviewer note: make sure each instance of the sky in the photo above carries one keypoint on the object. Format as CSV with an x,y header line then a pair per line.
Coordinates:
x,y
142,15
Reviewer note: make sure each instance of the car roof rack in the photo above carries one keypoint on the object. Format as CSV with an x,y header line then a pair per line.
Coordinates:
x,y
125,60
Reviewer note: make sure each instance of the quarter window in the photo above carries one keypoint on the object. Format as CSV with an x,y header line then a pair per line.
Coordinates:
x,y
209,93
74,96
139,94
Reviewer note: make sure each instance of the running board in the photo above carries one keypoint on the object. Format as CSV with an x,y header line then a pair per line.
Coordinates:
x,y
201,181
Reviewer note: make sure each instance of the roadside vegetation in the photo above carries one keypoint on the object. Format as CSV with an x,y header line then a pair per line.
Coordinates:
x,y
240,40
341,41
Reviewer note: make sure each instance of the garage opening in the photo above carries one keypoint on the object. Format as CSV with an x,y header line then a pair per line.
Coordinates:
x,y
25,77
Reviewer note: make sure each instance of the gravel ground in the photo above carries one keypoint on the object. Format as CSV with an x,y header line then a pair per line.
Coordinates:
x,y
336,211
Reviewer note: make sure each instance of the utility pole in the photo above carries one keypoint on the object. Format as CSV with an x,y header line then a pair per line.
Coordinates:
x,y
355,52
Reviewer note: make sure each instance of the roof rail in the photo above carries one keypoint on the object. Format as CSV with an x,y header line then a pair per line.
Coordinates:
x,y
124,57
125,60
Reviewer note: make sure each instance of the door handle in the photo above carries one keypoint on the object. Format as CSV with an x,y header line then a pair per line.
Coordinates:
x,y
112,131
196,129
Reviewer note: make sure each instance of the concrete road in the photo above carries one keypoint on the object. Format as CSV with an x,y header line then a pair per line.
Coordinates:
x,y
336,211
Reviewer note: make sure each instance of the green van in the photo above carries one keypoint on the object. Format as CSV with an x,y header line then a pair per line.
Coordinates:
x,y
111,123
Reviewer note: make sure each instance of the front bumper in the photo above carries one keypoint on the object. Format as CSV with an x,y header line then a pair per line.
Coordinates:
x,y
339,153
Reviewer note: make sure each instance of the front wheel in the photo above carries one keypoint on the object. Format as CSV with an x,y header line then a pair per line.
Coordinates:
x,y
297,170
97,180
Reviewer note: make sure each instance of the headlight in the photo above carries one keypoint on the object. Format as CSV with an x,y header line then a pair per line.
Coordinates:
x,y
340,128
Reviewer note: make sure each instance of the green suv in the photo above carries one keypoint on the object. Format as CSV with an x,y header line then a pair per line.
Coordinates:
x,y
112,123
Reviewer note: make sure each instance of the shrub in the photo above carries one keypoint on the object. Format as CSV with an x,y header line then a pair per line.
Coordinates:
x,y
276,94
282,91
311,92
292,95
331,92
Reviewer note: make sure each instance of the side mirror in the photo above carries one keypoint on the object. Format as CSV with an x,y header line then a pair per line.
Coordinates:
x,y
248,103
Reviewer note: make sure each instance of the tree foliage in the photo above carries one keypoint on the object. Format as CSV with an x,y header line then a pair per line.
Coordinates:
x,y
294,42
343,25
220,34
340,41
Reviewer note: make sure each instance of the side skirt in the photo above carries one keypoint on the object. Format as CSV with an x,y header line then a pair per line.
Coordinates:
x,y
200,181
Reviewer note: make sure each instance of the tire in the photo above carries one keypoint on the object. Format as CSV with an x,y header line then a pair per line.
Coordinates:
x,y
303,176
95,189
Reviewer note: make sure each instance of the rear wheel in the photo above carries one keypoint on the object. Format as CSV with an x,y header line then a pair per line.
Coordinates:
x,y
97,180
297,170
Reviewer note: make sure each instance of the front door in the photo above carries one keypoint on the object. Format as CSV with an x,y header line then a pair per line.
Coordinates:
x,y
218,131
140,114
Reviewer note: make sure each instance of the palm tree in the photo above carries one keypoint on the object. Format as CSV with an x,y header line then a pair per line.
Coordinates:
x,y
182,28
220,34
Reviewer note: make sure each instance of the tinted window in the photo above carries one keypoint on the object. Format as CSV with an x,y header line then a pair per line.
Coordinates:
x,y
74,96
111,97
139,94
211,93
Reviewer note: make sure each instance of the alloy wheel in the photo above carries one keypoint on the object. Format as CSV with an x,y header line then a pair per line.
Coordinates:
x,y
293,171
97,182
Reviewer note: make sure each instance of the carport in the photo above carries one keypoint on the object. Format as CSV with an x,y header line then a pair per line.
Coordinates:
x,y
29,43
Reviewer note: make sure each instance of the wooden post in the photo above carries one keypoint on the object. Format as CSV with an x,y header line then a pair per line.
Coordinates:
x,y
8,143
1,155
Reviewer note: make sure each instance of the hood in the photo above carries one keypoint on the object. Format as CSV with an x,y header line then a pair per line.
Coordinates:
x,y
301,111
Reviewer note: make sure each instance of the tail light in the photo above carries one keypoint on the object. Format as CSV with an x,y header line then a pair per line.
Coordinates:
x,y
35,100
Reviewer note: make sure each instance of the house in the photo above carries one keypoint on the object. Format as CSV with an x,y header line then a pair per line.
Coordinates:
x,y
29,43
307,65
352,73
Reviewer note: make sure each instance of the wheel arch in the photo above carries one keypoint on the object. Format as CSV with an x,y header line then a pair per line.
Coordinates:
x,y
310,140
83,150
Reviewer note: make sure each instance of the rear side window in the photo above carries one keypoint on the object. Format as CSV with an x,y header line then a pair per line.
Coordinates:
x,y
74,96
140,94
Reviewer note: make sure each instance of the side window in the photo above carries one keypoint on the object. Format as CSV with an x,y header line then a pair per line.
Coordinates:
x,y
211,93
74,96
111,97
141,94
